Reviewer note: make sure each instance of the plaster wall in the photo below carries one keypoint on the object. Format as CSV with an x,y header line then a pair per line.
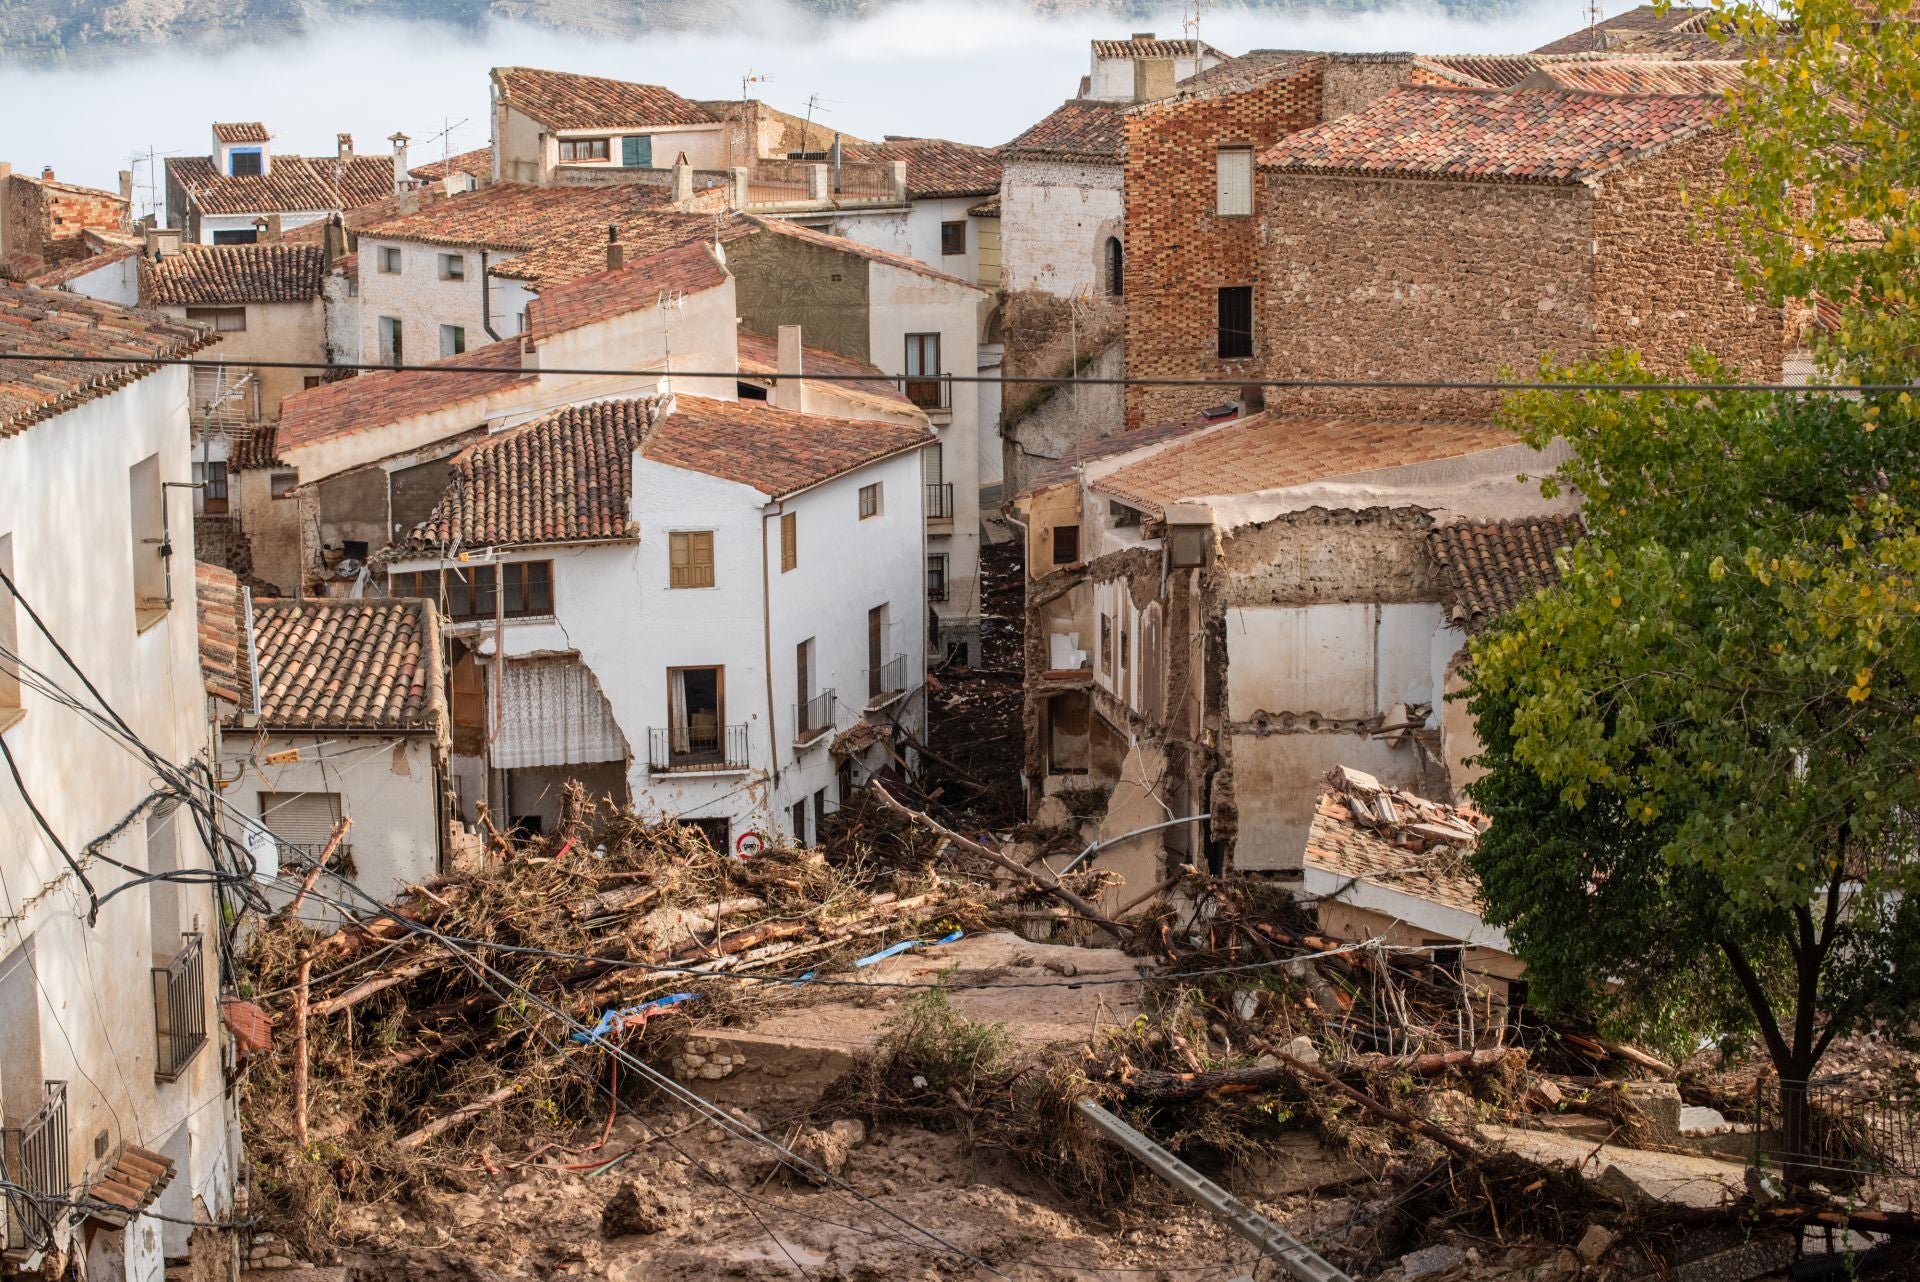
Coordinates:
x,y
341,295
272,526
274,332
1055,218
915,232
114,282
422,302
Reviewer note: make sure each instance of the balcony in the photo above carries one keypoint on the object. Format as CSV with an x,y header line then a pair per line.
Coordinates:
x,y
939,501
812,719
886,681
696,749
928,391
179,1010
34,1155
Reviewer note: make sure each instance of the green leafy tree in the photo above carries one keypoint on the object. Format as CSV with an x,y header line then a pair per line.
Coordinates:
x,y
1703,747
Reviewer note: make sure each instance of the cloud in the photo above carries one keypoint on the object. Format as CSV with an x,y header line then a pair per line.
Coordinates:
x,y
976,70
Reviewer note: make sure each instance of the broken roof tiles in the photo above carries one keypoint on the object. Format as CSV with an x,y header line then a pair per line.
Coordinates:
x,y
44,322
1364,830
349,664
132,1184
599,296
371,400
1494,565
563,100
216,274
1543,136
298,184
1082,129
253,446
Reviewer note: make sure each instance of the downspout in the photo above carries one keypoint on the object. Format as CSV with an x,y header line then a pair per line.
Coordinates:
x,y
766,641
486,299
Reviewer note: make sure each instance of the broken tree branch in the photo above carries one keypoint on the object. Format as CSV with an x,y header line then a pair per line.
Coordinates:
x,y
319,866
440,1125
305,977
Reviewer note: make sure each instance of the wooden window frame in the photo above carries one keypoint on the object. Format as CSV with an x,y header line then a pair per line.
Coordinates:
x,y
789,541
454,336
925,387
1221,190
872,501
476,590
282,482
598,151
221,318
1066,544
388,254
937,571
953,239
687,573
453,266
215,488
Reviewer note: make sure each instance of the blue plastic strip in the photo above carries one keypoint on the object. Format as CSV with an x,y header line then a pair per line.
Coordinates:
x,y
615,1018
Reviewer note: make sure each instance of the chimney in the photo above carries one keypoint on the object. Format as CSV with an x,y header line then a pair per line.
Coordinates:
x,y
1143,35
343,146
740,186
616,252
334,242
162,242
400,179
126,185
682,180
787,392
271,235
46,173
897,176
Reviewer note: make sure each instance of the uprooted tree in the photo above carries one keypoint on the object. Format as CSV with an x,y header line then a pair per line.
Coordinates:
x,y
1703,747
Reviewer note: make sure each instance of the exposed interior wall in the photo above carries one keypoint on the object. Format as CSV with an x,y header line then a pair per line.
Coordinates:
x,y
783,281
272,527
1488,971
1055,217
535,791
1053,419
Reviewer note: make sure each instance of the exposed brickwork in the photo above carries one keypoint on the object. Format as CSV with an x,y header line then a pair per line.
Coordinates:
x,y
48,220
1180,252
1352,81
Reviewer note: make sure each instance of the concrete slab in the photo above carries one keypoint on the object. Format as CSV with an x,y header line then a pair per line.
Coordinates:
x,y
1682,1179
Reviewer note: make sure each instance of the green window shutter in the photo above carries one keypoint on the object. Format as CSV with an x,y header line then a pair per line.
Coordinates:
x,y
636,151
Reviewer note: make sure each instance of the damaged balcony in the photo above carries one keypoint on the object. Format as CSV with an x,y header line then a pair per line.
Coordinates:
x,y
179,1010
696,749
813,719
34,1155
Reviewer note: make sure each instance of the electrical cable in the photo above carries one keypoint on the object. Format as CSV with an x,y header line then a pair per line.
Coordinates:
x,y
13,768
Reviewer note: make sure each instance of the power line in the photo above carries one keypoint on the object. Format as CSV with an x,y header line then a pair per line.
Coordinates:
x,y
1262,381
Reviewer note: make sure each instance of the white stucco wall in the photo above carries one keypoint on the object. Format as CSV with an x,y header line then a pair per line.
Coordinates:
x,y
289,219
915,232
421,301
114,282
65,507
1055,218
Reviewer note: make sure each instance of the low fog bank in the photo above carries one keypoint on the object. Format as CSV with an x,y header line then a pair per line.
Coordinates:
x,y
977,72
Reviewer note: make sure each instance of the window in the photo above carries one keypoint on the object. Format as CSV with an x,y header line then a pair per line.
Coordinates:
x,y
1233,181
803,673
213,488
953,238
696,703
1236,322
800,821
869,500
789,541
923,385
453,267
453,340
819,813
1116,266
691,556
876,650
149,540
1187,546
163,897
9,640
937,577
392,350
225,320
390,259
715,832
238,236
246,162
1106,643
302,820
1066,544
309,382
577,149
636,152
281,482
469,592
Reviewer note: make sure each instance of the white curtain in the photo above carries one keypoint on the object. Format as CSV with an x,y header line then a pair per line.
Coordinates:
x,y
552,713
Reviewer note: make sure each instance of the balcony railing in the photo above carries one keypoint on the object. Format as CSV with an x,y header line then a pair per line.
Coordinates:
x,y
33,1160
179,1009
696,749
813,718
888,678
928,391
940,500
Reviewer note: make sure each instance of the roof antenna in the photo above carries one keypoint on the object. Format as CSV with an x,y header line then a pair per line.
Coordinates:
x,y
1595,16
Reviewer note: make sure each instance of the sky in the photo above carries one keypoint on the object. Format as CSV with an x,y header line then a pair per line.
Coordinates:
x,y
989,70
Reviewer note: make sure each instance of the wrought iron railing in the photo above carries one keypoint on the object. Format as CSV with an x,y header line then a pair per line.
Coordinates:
x,y
888,678
33,1161
179,1009
813,718
939,500
1851,1130
673,749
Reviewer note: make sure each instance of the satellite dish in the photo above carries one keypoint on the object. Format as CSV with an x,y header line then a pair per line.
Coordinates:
x,y
347,569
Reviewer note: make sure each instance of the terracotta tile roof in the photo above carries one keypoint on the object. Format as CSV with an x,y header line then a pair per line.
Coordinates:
x,y
254,446
1495,70
47,322
936,167
234,274
585,300
1637,76
1151,48
562,100
988,208
243,131
760,355
354,404
566,477
298,184
81,266
1084,129
1421,850
846,246
478,162
580,249
775,451
1267,452
223,662
1646,18
339,664
133,1183
1074,457
1494,565
1481,135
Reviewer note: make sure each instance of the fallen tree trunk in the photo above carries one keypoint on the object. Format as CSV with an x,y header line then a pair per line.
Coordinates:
x,y
1050,885
377,983
440,1125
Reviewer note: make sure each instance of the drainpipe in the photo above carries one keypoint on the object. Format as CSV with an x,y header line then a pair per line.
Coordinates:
x,y
766,643
486,299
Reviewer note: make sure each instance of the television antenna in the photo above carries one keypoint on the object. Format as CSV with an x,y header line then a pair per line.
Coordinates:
x,y
445,138
753,78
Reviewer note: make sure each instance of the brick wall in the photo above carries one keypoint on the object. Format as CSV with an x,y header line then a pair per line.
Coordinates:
x,y
46,222
1179,251
1662,286
1395,279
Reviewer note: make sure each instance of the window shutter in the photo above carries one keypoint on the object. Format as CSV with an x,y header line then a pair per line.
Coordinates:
x,y
636,151
703,550
1234,170
303,819
789,541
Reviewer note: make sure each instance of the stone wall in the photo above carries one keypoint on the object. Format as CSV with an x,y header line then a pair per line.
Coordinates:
x,y
1322,555
1378,278
1049,420
46,221
1355,79
1663,285
1180,251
